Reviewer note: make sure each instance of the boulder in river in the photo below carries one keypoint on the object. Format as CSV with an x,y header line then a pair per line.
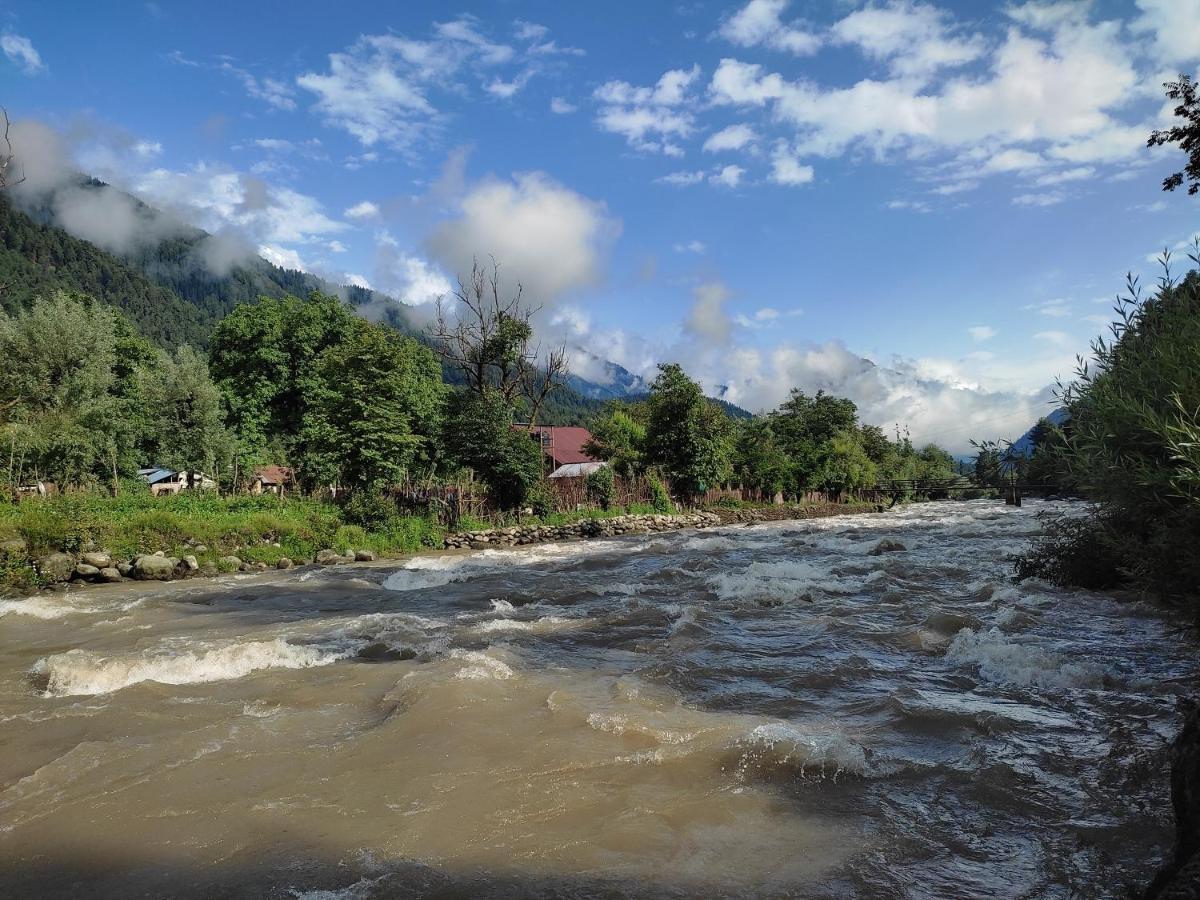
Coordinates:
x,y
154,568
189,565
283,563
56,567
99,559
887,546
330,557
364,556
110,575
86,572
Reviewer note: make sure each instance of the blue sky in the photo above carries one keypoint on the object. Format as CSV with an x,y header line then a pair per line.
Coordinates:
x,y
927,207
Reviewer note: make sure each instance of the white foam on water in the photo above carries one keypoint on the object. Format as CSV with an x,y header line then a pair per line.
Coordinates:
x,y
826,749
544,625
38,608
423,572
84,672
502,607
787,578
479,666
1002,659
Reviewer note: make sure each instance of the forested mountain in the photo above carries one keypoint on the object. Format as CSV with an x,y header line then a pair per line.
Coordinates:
x,y
170,290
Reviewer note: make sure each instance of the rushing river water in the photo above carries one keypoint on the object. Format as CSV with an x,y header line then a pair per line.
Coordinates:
x,y
743,711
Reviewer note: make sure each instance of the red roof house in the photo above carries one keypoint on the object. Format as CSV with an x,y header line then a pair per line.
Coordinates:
x,y
563,444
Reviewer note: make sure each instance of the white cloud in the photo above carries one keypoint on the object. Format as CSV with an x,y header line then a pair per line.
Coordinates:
x,y
544,235
707,321
759,23
729,176
562,107
283,257
380,89
734,137
1046,198
787,170
914,39
1060,90
980,333
410,278
692,246
1174,26
681,179
914,205
1058,308
21,53
649,117
363,210
1079,173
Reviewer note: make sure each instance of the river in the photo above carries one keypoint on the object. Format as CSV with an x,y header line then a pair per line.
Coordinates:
x,y
760,711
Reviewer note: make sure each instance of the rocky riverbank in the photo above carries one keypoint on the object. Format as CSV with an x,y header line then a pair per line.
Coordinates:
x,y
98,566
518,535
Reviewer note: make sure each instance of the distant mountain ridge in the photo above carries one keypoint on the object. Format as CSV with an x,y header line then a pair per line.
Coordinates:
x,y
1023,446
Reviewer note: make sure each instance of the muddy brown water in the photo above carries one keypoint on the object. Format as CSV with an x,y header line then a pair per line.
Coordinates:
x,y
765,711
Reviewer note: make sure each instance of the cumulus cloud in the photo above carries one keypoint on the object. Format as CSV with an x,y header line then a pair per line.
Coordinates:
x,y
364,210
734,137
914,39
1174,26
1050,93
21,53
650,118
708,322
786,169
729,176
544,235
560,106
981,333
760,23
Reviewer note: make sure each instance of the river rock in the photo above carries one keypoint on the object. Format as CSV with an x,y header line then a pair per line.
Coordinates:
x,y
154,568
284,563
110,575
99,559
364,556
124,569
56,567
887,546
327,557
86,572
189,563
229,563
14,547
378,651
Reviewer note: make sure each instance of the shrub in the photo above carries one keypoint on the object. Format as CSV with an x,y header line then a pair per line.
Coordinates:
x,y
601,488
660,500
369,508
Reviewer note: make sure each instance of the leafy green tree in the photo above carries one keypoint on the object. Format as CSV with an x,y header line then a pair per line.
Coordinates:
x,y
265,357
185,414
55,401
619,437
1187,135
479,435
375,412
687,437
759,461
844,464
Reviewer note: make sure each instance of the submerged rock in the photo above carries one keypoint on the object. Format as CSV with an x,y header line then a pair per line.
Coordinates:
x,y
887,546
364,556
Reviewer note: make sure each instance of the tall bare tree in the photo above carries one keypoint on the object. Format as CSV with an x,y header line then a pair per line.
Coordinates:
x,y
489,338
6,157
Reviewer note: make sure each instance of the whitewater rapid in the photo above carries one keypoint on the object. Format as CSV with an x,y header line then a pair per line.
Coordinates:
x,y
767,710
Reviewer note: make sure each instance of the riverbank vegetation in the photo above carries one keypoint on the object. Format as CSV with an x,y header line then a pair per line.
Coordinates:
x,y
1132,445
